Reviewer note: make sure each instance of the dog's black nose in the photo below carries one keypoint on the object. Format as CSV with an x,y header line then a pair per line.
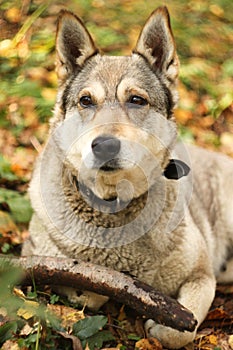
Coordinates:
x,y
106,147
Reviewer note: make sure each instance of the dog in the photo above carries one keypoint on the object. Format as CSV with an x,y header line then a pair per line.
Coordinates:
x,y
114,187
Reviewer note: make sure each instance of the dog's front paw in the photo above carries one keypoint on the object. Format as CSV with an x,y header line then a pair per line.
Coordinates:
x,y
169,337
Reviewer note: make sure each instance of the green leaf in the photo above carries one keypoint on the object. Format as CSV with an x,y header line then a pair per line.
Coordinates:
x,y
97,340
5,170
7,330
5,248
87,327
133,337
54,298
20,209
19,204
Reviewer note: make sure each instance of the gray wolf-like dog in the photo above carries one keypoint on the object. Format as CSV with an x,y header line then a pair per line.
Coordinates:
x,y
113,186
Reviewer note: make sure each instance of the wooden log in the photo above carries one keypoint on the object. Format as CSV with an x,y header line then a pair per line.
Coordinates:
x,y
102,280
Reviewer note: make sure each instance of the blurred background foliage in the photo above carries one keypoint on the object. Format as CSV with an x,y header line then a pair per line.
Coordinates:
x,y
204,35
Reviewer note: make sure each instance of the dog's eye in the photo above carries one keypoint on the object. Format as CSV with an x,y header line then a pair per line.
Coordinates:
x,y
138,100
86,101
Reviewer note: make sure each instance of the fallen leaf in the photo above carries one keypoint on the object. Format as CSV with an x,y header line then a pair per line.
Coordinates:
x,y
9,233
19,293
97,339
19,205
13,15
122,314
213,339
3,316
76,344
183,116
68,315
28,310
216,10
6,223
26,330
230,341
10,345
148,344
88,326
49,94
216,314
226,140
225,288
203,332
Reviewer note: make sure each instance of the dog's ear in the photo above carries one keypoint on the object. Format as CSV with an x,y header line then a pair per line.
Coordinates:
x,y
73,43
156,44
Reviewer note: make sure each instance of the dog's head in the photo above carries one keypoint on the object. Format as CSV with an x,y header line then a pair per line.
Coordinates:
x,y
114,115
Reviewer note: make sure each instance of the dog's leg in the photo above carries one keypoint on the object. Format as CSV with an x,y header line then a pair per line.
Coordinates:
x,y
39,242
197,296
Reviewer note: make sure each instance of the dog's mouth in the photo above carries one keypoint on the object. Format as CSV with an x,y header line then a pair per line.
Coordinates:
x,y
109,169
110,166
113,204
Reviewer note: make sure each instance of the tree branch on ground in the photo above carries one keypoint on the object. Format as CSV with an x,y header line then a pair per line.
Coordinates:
x,y
102,280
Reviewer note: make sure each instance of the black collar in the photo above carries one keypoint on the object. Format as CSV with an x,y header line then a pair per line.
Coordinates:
x,y
176,169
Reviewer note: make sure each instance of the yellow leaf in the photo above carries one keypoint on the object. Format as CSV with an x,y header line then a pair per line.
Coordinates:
x,y
13,15
149,344
68,315
6,224
213,339
230,341
217,10
5,47
19,293
28,310
226,139
49,94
